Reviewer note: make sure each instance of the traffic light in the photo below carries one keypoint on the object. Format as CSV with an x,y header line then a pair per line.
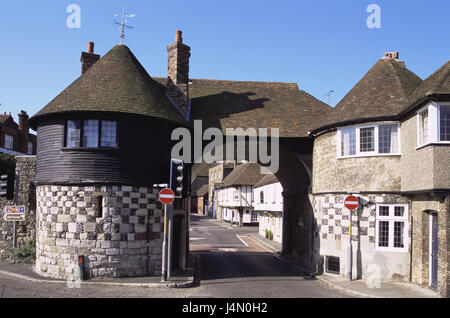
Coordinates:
x,y
176,177
3,185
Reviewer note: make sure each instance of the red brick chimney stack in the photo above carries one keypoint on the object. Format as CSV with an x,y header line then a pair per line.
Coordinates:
x,y
178,73
88,58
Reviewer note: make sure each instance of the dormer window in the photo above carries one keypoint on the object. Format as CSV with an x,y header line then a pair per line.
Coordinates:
x,y
368,140
433,124
91,133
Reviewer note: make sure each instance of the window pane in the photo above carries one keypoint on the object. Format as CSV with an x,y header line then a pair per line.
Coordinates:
x,y
399,211
9,142
398,234
444,123
73,133
30,148
90,133
423,127
109,129
366,139
383,233
383,211
387,139
348,142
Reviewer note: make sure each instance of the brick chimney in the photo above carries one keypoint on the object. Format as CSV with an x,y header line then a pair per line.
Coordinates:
x,y
178,73
23,121
390,55
88,58
24,131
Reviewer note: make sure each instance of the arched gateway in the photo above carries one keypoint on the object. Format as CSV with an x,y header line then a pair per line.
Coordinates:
x,y
106,140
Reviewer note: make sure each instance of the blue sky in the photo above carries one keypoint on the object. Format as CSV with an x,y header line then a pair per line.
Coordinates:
x,y
322,45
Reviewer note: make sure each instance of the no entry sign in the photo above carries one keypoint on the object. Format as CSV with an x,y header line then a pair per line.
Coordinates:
x,y
166,196
351,202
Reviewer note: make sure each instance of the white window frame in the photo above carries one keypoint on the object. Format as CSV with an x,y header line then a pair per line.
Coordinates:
x,y
375,152
434,136
391,219
9,141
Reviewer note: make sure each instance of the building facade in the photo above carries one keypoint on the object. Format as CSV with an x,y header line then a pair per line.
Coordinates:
x,y
94,178
15,139
386,142
268,203
235,195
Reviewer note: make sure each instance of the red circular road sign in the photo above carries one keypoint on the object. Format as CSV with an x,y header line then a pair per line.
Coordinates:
x,y
351,202
166,196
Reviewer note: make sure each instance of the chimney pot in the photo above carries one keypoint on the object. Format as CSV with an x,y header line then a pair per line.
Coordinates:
x,y
91,47
178,36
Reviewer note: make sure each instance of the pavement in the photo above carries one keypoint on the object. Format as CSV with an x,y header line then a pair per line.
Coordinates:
x,y
358,288
179,279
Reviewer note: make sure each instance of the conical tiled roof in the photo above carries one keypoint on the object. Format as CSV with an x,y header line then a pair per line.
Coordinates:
x,y
115,83
436,84
383,92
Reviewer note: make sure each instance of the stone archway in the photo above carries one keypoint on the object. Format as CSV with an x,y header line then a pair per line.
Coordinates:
x,y
299,227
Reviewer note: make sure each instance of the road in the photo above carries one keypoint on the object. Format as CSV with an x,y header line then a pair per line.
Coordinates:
x,y
233,266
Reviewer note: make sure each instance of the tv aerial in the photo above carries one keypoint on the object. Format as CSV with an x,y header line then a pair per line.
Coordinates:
x,y
329,96
123,25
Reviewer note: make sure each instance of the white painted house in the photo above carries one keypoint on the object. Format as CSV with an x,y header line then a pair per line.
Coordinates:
x,y
235,195
269,205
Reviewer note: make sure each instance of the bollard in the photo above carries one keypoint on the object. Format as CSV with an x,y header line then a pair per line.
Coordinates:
x,y
81,266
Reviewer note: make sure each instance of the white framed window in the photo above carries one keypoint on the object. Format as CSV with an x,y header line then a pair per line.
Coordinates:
x,y
433,124
30,148
9,142
391,227
369,140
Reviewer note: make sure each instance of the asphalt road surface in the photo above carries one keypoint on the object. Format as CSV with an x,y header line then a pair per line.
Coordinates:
x,y
234,265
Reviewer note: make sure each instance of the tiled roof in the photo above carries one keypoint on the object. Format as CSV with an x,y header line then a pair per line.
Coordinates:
x,y
268,179
115,83
437,83
244,174
202,191
233,104
4,118
383,92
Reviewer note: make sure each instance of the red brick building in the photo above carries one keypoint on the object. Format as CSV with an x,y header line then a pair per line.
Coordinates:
x,y
15,138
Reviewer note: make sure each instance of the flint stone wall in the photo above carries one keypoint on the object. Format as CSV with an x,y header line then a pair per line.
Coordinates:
x,y
25,231
118,230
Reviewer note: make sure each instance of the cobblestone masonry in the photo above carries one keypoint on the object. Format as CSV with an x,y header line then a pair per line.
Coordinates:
x,y
117,228
332,219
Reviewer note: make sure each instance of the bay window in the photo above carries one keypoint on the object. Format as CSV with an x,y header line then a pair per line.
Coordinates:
x,y
368,140
433,124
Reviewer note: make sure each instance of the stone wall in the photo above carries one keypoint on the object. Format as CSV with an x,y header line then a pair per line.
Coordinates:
x,y
118,230
25,231
330,174
422,205
332,220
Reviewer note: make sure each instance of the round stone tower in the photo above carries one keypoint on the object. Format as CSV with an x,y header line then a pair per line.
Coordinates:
x,y
102,144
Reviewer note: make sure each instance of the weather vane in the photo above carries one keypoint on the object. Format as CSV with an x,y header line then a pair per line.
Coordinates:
x,y
123,25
